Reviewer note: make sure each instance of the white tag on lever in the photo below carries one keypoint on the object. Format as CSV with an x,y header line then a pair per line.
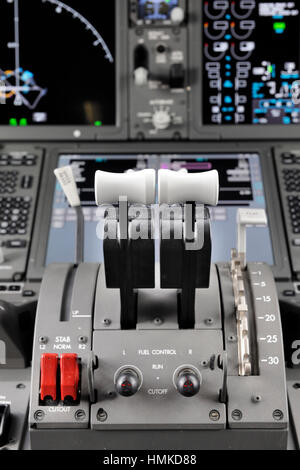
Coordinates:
x,y
248,218
66,179
253,217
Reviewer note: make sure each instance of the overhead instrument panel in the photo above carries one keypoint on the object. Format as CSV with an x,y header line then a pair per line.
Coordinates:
x,y
251,62
59,70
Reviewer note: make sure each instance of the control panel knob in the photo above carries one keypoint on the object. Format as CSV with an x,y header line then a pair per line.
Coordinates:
x,y
127,383
177,15
161,120
188,383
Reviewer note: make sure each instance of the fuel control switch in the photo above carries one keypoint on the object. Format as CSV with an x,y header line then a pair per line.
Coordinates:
x,y
188,383
127,383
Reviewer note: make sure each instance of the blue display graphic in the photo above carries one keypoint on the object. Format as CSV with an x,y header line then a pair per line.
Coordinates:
x,y
251,54
156,9
272,94
241,185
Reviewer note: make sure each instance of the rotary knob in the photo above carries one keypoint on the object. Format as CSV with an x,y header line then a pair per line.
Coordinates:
x,y
177,15
127,383
161,120
188,383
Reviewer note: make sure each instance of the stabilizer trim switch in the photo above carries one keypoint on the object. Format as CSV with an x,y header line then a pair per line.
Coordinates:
x,y
69,376
49,364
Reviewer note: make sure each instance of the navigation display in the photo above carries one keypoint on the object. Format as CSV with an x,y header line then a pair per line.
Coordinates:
x,y
57,63
251,62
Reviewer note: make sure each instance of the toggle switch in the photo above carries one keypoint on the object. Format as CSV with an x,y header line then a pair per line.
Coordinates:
x,y
49,363
177,76
141,65
141,76
69,376
4,424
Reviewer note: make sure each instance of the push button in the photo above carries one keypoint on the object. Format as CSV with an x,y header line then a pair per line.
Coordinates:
x,y
16,244
69,376
289,293
49,363
14,288
28,293
287,158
